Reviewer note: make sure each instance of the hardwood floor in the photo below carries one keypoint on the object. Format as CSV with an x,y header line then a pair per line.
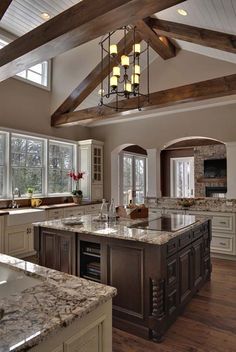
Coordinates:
x,y
207,325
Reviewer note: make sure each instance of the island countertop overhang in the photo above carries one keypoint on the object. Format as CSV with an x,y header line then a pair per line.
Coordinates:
x,y
57,301
120,229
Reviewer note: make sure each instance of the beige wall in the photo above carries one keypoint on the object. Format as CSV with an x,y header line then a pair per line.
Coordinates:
x,y
155,132
26,107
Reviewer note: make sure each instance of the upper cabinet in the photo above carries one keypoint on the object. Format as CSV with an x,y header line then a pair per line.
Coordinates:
x,y
91,162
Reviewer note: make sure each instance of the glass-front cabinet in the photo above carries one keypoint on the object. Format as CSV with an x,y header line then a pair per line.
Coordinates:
x,y
91,162
97,164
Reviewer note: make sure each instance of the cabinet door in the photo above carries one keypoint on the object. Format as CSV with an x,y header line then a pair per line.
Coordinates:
x,y
16,240
65,249
185,280
48,251
198,265
97,164
87,341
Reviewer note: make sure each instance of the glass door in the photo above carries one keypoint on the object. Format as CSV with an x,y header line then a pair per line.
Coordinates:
x,y
182,177
132,178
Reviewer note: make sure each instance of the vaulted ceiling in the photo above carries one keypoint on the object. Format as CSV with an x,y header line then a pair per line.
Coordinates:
x,y
219,15
209,29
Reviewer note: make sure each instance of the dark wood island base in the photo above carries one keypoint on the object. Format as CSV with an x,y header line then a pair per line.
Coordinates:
x,y
154,282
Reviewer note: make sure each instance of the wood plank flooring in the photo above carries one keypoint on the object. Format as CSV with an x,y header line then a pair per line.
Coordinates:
x,y
207,325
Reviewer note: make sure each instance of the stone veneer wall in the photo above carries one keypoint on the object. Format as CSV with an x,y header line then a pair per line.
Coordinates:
x,y
215,151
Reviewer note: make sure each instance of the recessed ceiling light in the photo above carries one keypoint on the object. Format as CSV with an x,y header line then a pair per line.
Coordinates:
x,y
45,16
182,12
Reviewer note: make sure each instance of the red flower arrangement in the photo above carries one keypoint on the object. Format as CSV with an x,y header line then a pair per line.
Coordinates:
x,y
76,176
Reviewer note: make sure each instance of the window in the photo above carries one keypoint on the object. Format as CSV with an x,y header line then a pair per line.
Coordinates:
x,y
2,164
132,178
39,74
61,157
27,163
182,177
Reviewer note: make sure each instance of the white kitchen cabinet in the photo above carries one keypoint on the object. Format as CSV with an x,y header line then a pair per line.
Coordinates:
x,y
74,211
93,209
154,213
19,240
91,333
2,229
54,214
91,162
223,231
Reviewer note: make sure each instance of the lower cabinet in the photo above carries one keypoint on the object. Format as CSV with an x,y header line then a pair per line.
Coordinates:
x,y
89,333
58,251
19,240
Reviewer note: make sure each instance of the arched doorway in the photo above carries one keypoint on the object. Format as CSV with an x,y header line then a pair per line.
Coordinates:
x,y
193,167
128,174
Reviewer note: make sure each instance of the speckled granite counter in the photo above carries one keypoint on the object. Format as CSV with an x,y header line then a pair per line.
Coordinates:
x,y
118,229
200,204
54,303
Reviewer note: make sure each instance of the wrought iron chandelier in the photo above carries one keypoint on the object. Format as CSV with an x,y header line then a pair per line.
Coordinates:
x,y
124,76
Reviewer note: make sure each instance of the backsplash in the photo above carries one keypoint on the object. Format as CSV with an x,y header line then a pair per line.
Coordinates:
x,y
205,204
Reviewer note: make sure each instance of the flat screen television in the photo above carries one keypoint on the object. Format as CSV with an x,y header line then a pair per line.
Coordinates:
x,y
215,168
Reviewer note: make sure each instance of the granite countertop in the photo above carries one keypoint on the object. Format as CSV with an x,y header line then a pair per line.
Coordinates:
x,y
118,229
195,208
46,308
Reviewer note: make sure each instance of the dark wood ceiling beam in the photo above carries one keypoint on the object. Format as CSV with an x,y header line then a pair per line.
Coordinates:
x,y
79,24
213,88
4,4
95,77
162,45
201,36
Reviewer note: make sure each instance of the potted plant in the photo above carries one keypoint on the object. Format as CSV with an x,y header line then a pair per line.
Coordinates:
x,y
30,192
77,194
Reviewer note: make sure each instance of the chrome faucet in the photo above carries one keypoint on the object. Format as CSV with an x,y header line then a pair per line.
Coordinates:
x,y
15,192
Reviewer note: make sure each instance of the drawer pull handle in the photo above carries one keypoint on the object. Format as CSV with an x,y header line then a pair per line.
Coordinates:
x,y
223,222
222,243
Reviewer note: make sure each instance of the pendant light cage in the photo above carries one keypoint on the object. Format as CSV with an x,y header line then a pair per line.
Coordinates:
x,y
128,73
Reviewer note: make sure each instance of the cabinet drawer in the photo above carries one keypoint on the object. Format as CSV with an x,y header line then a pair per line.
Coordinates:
x,y
172,211
55,214
224,245
154,213
77,211
223,223
185,239
95,208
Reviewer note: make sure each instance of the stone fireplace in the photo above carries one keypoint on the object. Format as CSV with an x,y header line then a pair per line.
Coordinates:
x,y
205,186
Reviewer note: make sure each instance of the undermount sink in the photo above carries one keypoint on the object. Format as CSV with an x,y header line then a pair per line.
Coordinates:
x,y
25,216
13,281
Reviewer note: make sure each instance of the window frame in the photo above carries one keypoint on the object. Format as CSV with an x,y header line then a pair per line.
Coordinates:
x,y
121,168
27,137
7,189
74,163
49,69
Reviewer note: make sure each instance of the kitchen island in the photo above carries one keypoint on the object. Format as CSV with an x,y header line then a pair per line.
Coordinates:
x,y
43,310
156,267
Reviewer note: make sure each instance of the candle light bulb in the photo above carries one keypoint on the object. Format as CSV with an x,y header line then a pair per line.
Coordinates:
x,y
136,69
125,61
127,88
137,49
135,80
113,50
116,71
114,82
